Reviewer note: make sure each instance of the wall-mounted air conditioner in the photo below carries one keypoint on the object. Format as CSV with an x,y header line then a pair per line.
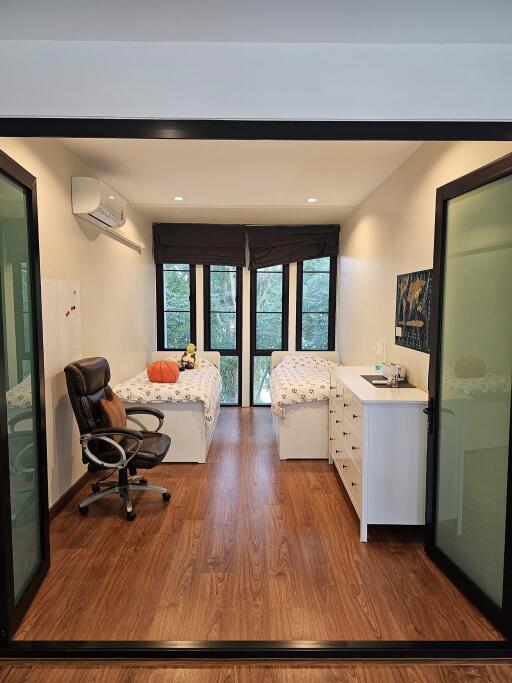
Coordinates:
x,y
97,203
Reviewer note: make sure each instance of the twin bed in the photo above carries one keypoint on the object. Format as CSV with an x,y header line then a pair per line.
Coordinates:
x,y
190,406
299,387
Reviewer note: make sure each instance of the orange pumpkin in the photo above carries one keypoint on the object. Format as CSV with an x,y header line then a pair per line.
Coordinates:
x,y
163,371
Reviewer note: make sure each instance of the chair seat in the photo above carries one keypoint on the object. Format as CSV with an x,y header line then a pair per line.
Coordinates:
x,y
153,450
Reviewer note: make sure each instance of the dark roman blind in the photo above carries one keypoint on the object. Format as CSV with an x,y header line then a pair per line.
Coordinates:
x,y
199,243
272,245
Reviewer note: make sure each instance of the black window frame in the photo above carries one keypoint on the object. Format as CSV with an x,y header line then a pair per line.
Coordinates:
x,y
207,270
331,312
161,311
254,351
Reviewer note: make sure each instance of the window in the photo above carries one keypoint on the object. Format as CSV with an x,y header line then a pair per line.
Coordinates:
x,y
175,301
316,304
269,325
223,329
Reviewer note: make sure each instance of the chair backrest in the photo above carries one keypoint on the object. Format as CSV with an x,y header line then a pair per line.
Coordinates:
x,y
87,382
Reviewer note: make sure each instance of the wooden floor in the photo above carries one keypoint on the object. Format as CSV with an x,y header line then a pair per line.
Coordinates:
x,y
248,548
349,672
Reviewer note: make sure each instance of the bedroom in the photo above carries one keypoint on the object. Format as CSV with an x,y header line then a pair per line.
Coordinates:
x,y
274,545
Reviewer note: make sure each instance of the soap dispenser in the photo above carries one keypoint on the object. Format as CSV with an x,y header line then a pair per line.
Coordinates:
x,y
378,357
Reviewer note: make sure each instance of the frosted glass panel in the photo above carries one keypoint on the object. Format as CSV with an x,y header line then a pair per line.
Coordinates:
x,y
18,355
474,398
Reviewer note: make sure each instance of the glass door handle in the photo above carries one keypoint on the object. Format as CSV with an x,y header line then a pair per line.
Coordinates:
x,y
429,412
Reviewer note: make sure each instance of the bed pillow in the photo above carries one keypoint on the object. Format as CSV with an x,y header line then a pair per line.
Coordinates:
x,y
163,371
113,414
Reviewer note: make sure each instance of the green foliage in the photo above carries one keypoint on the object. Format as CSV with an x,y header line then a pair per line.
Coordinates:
x,y
317,264
229,374
261,378
315,331
223,330
176,281
177,329
176,290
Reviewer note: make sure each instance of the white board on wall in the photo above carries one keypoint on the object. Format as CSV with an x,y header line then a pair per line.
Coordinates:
x,y
62,329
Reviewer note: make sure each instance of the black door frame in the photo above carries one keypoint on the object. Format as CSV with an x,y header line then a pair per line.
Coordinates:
x,y
208,328
11,613
482,176
252,332
255,130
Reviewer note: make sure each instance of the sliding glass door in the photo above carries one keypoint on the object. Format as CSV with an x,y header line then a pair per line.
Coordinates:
x,y
223,326
24,546
469,520
269,325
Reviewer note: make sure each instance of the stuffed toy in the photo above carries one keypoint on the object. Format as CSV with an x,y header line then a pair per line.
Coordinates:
x,y
189,359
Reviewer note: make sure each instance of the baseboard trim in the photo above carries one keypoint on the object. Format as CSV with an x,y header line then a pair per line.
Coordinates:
x,y
61,502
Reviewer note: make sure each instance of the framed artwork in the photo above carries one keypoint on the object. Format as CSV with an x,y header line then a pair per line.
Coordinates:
x,y
412,315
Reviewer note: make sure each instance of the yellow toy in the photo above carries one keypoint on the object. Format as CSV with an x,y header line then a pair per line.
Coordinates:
x,y
189,359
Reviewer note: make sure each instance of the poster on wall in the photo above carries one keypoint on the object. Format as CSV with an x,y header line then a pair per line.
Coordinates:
x,y
413,305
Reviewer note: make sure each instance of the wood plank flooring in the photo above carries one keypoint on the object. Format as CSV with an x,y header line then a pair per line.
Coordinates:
x,y
248,548
212,672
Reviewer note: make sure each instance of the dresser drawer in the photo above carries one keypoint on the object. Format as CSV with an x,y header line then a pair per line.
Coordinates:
x,y
352,481
353,445
353,411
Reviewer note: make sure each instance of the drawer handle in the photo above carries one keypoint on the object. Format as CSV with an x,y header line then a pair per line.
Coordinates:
x,y
331,411
355,417
344,467
355,448
346,433
338,422
346,405
331,438
338,451
354,483
338,395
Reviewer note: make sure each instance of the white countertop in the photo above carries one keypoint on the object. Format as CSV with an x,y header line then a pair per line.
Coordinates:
x,y
367,393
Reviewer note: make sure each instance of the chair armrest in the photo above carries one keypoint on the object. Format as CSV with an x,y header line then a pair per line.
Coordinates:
x,y
105,434
144,410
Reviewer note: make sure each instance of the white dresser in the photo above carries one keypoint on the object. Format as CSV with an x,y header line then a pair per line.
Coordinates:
x,y
377,442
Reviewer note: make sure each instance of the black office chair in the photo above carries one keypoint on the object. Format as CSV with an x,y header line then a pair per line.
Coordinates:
x,y
87,382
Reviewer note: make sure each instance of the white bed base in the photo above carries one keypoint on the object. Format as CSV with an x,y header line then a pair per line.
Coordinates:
x,y
184,422
303,431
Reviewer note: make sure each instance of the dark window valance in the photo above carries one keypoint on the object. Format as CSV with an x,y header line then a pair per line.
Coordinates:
x,y
199,243
271,245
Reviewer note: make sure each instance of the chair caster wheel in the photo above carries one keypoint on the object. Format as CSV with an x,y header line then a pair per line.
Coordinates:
x,y
166,496
95,488
83,510
143,481
130,516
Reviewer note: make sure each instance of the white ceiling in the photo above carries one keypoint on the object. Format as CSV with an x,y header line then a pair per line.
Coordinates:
x,y
292,21
253,181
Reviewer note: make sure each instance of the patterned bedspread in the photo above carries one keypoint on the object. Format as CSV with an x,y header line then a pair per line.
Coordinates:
x,y
202,384
299,379
491,383
20,396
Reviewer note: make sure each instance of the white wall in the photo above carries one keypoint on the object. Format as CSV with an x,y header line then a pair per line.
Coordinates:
x,y
262,80
392,232
116,288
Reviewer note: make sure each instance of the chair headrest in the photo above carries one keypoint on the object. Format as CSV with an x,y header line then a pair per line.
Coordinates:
x,y
89,375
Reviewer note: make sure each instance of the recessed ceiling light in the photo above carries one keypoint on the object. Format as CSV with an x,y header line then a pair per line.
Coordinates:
x,y
311,200
179,199
111,196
